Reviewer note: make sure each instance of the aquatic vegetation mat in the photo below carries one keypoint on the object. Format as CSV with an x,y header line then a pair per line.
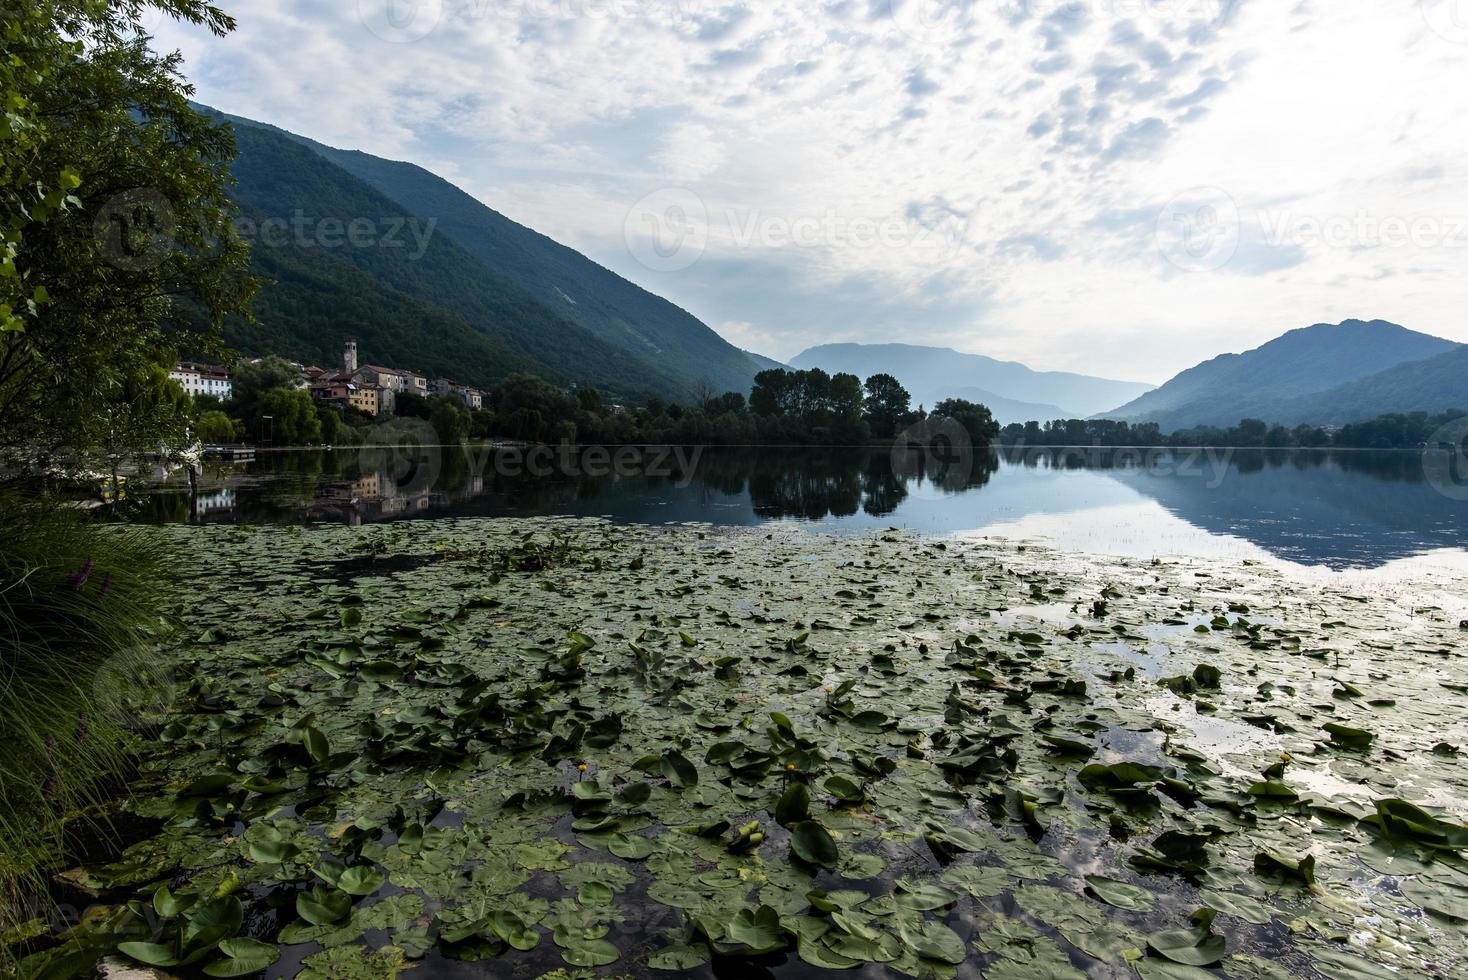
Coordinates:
x,y
483,748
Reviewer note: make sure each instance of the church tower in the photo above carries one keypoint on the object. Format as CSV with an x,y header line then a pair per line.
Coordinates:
x,y
349,356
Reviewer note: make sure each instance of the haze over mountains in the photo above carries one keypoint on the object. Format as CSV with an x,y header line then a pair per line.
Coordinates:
x,y
469,293
1012,391
1322,374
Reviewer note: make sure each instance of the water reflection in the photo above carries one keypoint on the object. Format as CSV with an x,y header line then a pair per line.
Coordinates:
x,y
1315,507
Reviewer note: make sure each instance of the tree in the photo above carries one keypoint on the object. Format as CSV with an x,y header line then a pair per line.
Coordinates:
x,y
451,420
117,245
976,420
887,405
214,428
292,417
332,426
254,379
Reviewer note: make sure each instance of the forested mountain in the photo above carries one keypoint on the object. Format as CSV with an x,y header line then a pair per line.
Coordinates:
x,y
1012,391
1432,385
412,295
1322,373
566,283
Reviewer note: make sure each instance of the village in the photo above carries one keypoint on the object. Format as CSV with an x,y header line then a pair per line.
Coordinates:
x,y
369,388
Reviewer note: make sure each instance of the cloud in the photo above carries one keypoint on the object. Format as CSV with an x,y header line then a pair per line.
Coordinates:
x,y
1020,150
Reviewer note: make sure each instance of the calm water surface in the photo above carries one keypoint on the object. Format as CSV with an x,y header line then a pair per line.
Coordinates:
x,y
1338,510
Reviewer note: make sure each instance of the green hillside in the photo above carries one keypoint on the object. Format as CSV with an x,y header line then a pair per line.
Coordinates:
x,y
424,303
561,279
1301,365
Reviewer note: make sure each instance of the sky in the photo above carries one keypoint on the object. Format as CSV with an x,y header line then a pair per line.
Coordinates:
x,y
1117,187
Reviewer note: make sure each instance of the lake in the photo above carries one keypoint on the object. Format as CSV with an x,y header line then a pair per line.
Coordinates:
x,y
1327,509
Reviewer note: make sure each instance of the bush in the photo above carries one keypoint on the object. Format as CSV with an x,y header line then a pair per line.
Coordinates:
x,y
79,604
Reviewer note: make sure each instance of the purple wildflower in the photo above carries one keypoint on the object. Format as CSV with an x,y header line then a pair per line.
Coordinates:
x,y
80,578
106,584
48,789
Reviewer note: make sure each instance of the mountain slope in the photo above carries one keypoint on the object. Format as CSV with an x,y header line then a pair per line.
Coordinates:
x,y
561,279
1432,385
432,293
1301,363
931,374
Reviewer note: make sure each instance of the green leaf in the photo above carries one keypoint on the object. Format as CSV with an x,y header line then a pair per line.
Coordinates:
x,y
1131,898
150,953
590,952
813,844
322,906
360,880
1190,947
793,805
758,928
513,930
678,771
243,957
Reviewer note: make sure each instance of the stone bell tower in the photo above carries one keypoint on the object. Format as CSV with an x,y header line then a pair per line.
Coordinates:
x,y
349,356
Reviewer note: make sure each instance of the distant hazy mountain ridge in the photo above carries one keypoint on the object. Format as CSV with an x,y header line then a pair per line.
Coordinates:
x,y
1012,391
1322,374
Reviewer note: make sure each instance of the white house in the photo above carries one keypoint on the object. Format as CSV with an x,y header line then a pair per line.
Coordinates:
x,y
203,379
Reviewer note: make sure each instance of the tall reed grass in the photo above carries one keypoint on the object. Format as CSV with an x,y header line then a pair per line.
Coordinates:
x,y
80,602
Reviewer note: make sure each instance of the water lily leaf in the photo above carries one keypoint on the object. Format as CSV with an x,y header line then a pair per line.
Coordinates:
x,y
243,957
686,956
1232,903
924,896
153,954
360,880
814,844
513,930
1350,738
1190,947
630,847
793,805
758,928
1336,964
1441,899
1132,898
590,952
322,906
678,771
